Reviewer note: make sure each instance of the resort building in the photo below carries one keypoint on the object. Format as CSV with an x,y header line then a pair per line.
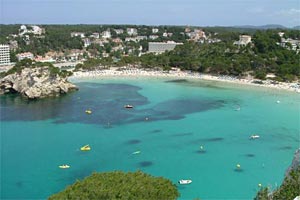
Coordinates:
x,y
136,39
196,35
244,40
119,31
44,59
22,56
160,47
86,42
36,30
4,55
95,35
290,44
132,31
167,34
76,34
155,30
106,34
13,45
153,37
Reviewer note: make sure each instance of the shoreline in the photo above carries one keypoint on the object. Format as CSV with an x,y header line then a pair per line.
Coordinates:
x,y
113,72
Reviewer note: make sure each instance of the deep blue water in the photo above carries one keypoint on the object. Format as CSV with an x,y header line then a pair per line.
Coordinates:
x,y
168,124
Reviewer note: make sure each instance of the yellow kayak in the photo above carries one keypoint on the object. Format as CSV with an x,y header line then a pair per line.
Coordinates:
x,y
64,166
85,148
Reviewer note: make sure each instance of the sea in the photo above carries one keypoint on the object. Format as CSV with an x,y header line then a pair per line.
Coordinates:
x,y
177,129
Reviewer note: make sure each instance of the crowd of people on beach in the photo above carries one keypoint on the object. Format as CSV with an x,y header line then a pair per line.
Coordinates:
x,y
135,72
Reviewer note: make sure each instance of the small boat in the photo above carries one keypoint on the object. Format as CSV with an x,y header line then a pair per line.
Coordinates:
x,y
136,152
254,137
184,182
89,111
277,101
128,106
64,166
85,148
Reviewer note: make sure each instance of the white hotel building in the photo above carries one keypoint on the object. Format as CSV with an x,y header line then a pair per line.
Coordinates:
x,y
160,47
4,55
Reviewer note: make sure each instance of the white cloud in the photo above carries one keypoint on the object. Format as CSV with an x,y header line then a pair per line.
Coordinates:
x,y
289,12
256,10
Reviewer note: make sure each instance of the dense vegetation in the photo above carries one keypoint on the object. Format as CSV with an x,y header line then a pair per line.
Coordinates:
x,y
120,185
262,57
289,189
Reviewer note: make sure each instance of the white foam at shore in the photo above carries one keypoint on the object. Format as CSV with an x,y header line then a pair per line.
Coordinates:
x,y
182,74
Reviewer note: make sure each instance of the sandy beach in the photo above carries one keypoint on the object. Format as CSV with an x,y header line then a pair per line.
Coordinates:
x,y
135,72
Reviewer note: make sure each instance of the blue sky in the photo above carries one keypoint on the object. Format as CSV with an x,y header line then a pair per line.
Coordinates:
x,y
152,12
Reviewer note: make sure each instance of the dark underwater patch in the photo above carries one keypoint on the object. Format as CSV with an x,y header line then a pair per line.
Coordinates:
x,y
249,155
214,139
182,134
106,101
19,184
238,170
285,148
177,81
145,164
200,151
156,131
135,141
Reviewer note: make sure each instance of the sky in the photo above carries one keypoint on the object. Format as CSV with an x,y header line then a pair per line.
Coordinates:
x,y
152,12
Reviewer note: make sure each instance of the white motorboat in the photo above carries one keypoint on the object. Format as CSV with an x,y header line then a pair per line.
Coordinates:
x,y
184,182
254,136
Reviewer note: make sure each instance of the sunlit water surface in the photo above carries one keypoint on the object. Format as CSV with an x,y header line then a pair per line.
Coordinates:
x,y
169,123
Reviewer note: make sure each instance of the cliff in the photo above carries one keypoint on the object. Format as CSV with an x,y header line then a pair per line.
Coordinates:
x,y
290,187
295,163
36,82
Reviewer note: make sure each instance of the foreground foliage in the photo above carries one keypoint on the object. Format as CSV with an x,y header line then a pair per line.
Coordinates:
x,y
289,189
119,185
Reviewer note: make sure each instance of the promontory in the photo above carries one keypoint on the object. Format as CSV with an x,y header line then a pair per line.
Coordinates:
x,y
36,80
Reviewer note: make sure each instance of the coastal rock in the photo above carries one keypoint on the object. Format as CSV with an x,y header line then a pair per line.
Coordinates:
x,y
295,163
35,83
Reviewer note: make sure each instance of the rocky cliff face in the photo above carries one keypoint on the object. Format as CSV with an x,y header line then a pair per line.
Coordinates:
x,y
295,163
35,83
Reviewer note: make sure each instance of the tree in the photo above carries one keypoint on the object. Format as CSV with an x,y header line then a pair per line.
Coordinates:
x,y
120,185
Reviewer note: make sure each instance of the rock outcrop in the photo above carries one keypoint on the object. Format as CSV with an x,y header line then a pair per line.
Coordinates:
x,y
295,163
36,83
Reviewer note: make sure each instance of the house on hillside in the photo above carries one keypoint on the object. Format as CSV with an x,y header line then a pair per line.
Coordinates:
x,y
243,41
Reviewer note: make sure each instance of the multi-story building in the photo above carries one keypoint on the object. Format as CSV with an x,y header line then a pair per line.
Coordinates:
x,y
22,56
4,54
106,34
75,34
155,30
13,45
244,40
160,47
153,37
86,42
132,31
119,31
95,35
36,30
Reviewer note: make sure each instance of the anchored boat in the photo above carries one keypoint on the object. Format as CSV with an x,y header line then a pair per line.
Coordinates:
x,y
128,106
254,137
184,182
64,166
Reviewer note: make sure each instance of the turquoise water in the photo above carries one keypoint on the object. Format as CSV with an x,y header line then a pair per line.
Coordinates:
x,y
169,123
